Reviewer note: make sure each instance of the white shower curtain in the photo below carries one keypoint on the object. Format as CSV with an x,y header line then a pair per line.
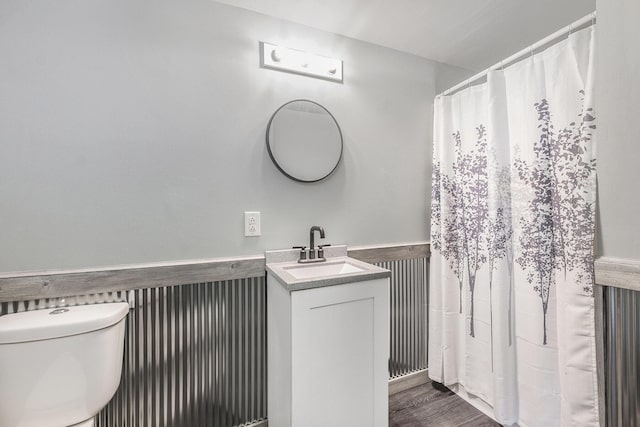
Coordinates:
x,y
511,316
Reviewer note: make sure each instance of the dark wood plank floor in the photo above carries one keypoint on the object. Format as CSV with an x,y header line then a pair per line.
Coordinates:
x,y
433,405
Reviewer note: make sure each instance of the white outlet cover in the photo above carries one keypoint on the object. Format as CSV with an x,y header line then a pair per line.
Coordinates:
x,y
251,224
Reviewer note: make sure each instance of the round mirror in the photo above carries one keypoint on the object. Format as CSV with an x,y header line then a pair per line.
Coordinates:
x,y
304,141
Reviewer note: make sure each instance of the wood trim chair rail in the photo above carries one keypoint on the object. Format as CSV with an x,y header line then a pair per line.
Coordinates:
x,y
23,286
618,273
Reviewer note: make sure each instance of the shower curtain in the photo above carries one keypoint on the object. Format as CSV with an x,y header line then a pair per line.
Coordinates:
x,y
511,316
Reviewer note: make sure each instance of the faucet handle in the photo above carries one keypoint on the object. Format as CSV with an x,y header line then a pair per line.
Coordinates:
x,y
321,249
303,253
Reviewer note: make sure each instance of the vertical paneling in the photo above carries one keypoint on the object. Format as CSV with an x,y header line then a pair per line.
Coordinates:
x,y
622,356
194,355
408,315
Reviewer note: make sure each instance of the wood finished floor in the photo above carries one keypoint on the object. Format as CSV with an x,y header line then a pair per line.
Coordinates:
x,y
426,405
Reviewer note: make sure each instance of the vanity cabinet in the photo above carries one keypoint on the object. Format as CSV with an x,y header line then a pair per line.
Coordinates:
x,y
328,351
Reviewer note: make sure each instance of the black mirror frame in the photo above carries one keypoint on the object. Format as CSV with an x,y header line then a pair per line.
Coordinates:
x,y
273,158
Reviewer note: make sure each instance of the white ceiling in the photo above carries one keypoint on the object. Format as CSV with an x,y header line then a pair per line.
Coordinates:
x,y
472,34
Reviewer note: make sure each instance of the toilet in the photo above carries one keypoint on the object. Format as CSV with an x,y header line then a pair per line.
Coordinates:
x,y
59,367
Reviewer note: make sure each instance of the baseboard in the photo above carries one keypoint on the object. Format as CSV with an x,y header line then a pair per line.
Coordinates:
x,y
405,382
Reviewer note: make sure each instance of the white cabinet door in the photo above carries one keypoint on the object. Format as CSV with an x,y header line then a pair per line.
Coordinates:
x,y
340,352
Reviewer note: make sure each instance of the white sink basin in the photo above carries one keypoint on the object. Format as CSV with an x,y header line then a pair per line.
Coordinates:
x,y
322,269
338,269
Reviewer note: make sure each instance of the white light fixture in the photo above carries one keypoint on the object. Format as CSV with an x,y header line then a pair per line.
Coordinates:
x,y
295,61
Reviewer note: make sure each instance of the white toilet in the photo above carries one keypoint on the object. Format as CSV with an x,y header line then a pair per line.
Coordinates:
x,y
60,367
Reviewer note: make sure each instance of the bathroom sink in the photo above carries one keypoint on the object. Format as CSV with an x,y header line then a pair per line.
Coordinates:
x,y
338,269
324,269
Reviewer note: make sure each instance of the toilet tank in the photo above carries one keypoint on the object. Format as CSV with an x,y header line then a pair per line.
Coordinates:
x,y
59,367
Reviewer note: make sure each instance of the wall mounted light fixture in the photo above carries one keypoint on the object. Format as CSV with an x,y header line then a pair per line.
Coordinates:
x,y
296,61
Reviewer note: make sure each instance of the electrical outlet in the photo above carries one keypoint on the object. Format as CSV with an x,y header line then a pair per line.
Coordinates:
x,y
251,224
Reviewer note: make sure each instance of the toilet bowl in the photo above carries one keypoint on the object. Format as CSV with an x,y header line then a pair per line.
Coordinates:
x,y
60,367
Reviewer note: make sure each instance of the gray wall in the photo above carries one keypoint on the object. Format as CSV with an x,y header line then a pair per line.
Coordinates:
x,y
618,107
133,131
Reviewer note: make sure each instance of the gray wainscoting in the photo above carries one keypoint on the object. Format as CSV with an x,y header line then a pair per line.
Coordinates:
x,y
408,312
195,354
621,356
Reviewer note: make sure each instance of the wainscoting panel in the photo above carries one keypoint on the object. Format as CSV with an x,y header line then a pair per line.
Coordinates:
x,y
621,356
194,356
408,312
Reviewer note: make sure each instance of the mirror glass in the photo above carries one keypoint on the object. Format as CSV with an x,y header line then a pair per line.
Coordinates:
x,y
304,141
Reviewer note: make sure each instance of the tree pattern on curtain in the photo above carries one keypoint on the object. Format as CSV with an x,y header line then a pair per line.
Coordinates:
x,y
463,241
557,229
556,226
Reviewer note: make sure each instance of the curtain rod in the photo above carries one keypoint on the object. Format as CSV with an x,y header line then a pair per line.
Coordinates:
x,y
577,25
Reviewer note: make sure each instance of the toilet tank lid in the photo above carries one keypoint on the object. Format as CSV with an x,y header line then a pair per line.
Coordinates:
x,y
59,322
